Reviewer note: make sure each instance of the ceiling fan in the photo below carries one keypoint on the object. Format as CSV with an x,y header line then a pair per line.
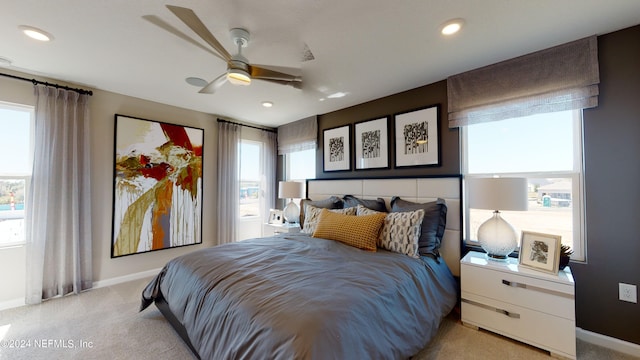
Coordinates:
x,y
239,70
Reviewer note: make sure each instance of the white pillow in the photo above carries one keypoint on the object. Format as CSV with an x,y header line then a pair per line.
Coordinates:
x,y
400,231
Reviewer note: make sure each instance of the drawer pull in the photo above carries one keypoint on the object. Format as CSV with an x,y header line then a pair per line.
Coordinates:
x,y
535,288
499,311
514,284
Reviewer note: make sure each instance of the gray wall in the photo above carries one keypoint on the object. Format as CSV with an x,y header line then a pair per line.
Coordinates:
x,y
612,170
409,100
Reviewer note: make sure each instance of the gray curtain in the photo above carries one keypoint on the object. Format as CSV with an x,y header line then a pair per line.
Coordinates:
x,y
297,136
564,77
228,181
270,141
58,211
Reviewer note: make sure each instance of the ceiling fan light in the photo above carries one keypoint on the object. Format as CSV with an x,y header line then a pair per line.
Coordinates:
x,y
238,77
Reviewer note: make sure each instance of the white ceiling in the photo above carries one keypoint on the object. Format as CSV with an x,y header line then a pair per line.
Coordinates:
x,y
364,48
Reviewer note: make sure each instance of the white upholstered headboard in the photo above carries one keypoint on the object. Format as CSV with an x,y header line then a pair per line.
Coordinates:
x,y
422,189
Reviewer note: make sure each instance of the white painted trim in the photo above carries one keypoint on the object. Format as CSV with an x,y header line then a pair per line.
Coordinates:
x,y
125,278
10,304
612,343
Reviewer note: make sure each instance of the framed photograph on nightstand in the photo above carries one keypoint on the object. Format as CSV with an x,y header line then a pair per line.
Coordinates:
x,y
276,217
540,251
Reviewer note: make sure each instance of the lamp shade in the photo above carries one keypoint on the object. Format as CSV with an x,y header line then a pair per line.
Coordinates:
x,y
498,193
290,190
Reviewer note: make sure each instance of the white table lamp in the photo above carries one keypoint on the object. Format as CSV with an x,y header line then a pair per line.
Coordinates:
x,y
496,236
290,190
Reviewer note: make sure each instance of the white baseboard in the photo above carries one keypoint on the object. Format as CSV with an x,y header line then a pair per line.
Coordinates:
x,y
9,304
13,303
608,342
125,278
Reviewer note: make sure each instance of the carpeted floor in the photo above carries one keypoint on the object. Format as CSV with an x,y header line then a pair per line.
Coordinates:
x,y
105,324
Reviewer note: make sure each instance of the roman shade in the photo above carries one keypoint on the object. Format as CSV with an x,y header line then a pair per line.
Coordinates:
x,y
297,136
560,78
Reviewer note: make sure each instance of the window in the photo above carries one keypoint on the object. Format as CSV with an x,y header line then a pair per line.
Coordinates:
x,y
250,178
300,165
547,150
16,153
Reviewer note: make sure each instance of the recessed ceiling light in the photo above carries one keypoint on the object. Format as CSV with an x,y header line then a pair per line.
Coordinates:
x,y
451,27
337,95
196,81
267,104
35,33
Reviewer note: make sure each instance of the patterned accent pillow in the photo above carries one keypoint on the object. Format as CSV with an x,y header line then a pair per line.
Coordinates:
x,y
357,231
400,232
332,202
313,215
433,225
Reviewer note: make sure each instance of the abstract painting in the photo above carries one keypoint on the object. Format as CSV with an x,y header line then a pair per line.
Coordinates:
x,y
157,195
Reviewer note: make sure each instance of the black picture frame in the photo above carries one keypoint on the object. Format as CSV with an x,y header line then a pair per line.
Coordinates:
x,y
417,137
337,149
371,144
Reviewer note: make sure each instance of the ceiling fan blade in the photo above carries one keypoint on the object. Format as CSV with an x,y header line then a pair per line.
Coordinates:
x,y
193,21
213,86
258,72
294,84
170,28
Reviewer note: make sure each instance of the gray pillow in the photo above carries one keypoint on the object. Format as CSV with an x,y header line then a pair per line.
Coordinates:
x,y
433,224
332,202
352,201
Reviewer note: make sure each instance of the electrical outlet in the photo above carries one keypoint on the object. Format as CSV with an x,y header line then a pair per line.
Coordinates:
x,y
628,292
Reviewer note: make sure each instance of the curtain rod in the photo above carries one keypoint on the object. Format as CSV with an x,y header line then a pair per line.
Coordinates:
x,y
249,126
57,86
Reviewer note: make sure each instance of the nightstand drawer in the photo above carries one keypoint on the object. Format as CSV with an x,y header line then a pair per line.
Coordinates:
x,y
548,332
533,293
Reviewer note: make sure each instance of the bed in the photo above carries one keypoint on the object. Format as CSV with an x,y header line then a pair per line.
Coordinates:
x,y
315,296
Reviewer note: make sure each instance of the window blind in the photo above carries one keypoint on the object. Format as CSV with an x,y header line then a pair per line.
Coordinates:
x,y
560,78
297,136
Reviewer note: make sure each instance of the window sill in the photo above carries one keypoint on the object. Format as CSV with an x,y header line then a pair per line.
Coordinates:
x,y
12,246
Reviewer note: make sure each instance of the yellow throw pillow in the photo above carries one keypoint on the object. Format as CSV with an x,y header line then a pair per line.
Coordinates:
x,y
358,231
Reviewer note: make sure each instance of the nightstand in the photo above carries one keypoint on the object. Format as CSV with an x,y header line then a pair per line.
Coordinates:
x,y
534,307
274,229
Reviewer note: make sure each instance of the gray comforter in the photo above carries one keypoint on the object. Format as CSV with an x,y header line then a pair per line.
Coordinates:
x,y
297,297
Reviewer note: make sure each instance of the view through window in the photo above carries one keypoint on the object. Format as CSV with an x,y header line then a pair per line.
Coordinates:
x,y
15,170
250,178
547,150
301,165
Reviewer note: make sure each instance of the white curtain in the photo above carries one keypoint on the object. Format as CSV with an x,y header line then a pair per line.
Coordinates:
x,y
228,181
58,211
270,144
